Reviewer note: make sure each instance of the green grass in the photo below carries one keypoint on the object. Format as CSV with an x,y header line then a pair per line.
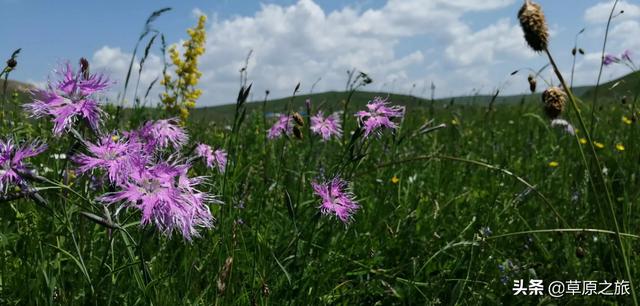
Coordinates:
x,y
417,242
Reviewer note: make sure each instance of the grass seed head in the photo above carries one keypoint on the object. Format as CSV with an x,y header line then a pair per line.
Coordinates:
x,y
298,119
533,24
554,100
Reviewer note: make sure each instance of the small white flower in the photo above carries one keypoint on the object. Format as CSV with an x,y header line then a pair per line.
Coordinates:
x,y
568,128
61,156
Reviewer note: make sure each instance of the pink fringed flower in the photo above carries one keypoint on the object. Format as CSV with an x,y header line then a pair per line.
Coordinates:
x,y
326,127
116,157
336,199
167,197
160,134
284,125
12,161
217,158
69,99
379,115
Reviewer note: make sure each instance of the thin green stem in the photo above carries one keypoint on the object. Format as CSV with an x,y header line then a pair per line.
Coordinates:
x,y
574,104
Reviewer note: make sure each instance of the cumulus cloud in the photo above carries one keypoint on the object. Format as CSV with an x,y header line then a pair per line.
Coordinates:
x,y
399,44
599,13
623,34
115,63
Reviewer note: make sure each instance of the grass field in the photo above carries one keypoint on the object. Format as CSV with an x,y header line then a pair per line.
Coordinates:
x,y
448,214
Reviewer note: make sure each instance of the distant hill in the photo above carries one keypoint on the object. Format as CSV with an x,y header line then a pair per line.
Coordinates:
x,y
16,86
612,91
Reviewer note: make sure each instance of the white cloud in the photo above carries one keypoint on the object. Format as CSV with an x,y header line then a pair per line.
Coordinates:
x,y
401,43
489,45
623,35
115,63
599,13
302,42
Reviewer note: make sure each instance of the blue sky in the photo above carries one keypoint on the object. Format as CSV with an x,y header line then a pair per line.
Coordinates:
x,y
463,46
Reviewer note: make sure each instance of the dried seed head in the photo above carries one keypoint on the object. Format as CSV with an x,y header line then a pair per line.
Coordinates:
x,y
224,275
265,289
532,83
554,100
297,132
534,26
298,119
12,63
574,51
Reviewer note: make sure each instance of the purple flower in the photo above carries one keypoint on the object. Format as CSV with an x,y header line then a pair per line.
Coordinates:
x,y
217,158
336,198
116,156
12,161
326,127
284,125
610,59
167,197
379,115
69,99
160,134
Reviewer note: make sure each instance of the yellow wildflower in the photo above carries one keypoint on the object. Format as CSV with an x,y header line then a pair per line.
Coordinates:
x,y
626,120
454,121
181,94
583,140
554,164
598,145
620,147
395,180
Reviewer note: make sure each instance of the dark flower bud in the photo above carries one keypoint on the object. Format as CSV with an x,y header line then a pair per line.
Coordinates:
x,y
12,63
84,68
574,51
532,83
297,132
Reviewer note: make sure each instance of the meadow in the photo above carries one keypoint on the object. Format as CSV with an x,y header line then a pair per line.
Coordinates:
x,y
449,202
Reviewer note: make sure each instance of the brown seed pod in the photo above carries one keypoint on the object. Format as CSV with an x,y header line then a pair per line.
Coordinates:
x,y
554,99
298,119
297,132
532,83
533,24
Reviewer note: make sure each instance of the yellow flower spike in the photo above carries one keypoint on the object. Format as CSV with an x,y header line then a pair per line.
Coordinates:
x,y
620,147
554,164
583,141
598,145
395,180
